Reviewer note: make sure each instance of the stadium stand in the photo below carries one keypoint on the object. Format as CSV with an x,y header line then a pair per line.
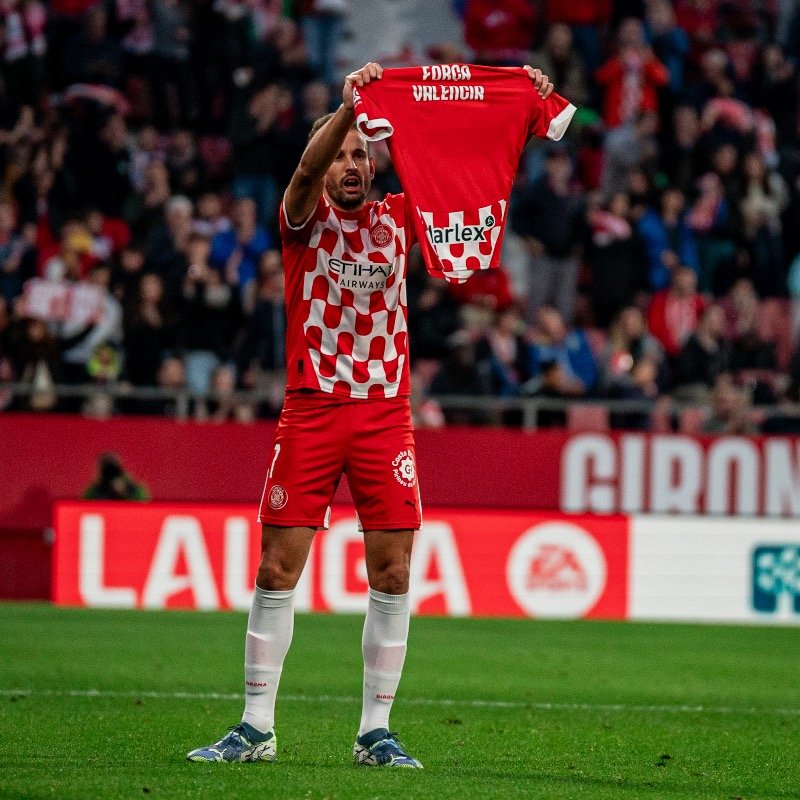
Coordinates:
x,y
144,146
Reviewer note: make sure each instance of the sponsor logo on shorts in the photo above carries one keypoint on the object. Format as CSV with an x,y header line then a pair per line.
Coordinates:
x,y
278,497
380,235
405,473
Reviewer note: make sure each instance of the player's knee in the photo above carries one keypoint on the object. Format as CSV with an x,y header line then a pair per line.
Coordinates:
x,y
276,577
391,578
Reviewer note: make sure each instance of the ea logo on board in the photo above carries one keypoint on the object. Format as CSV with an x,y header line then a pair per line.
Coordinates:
x,y
556,570
380,235
278,497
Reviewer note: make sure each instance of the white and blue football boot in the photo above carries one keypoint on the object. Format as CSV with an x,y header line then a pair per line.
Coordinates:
x,y
242,743
379,748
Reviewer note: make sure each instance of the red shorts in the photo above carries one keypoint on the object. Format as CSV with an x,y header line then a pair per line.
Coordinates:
x,y
318,438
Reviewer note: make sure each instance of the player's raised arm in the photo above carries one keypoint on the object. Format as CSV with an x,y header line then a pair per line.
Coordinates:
x,y
306,185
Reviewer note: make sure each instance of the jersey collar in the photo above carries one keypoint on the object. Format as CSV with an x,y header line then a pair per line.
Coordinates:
x,y
353,215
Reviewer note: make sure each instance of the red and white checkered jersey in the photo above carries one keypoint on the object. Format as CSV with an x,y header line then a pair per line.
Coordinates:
x,y
457,133
347,331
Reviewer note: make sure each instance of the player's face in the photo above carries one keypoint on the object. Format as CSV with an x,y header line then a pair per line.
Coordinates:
x,y
349,178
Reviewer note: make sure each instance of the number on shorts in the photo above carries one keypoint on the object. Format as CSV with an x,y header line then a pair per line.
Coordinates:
x,y
274,459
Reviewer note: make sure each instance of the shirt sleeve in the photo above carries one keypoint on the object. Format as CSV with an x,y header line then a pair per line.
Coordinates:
x,y
299,232
551,117
370,118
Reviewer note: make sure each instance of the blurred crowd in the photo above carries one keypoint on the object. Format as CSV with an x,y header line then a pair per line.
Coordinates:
x,y
653,253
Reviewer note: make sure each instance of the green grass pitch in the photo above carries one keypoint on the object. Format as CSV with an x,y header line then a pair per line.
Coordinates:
x,y
103,704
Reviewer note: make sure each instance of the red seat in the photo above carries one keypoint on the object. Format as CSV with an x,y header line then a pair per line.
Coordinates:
x,y
661,418
691,420
587,417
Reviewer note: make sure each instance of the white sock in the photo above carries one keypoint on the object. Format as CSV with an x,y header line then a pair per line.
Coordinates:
x,y
269,634
384,648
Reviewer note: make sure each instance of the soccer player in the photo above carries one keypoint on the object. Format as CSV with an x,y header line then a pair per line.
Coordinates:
x,y
346,411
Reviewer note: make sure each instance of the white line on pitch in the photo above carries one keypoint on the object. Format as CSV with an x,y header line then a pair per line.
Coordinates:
x,y
415,701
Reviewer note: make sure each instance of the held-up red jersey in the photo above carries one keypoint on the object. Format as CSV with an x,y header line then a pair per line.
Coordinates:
x,y
347,332
457,132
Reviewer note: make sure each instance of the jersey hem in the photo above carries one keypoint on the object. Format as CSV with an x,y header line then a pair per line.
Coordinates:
x,y
392,526
291,523
369,526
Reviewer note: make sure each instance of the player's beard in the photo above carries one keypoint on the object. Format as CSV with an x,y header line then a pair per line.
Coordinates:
x,y
348,201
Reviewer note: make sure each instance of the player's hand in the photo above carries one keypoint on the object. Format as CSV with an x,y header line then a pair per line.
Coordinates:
x,y
540,81
361,77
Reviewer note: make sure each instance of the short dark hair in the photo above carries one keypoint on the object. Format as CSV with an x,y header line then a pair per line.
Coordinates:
x,y
318,124
321,121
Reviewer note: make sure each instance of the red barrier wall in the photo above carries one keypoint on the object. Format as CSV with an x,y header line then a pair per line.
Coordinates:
x,y
53,457
24,564
44,458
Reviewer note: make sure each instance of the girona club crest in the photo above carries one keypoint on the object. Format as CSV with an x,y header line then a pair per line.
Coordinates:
x,y
278,497
380,235
403,468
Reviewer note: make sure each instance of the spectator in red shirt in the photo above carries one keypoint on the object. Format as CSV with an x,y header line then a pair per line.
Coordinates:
x,y
675,312
700,19
71,8
66,256
109,235
489,288
499,31
632,77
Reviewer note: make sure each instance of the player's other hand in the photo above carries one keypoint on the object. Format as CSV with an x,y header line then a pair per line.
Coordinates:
x,y
361,77
540,81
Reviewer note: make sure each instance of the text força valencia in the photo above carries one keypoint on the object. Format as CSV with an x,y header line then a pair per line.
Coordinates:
x,y
446,72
